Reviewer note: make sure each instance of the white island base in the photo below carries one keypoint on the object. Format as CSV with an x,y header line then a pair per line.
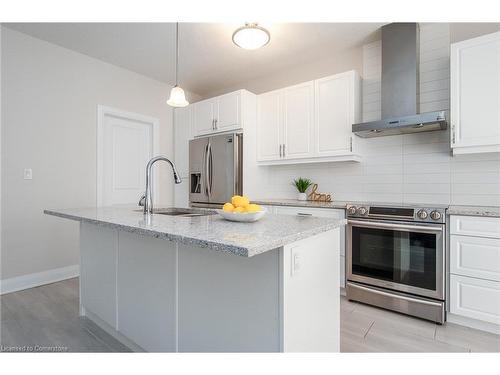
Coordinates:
x,y
158,295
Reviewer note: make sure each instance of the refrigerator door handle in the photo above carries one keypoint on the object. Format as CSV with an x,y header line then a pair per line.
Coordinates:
x,y
210,168
204,169
207,170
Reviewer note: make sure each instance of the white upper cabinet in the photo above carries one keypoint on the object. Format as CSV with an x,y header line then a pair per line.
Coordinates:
x,y
269,126
228,116
298,108
336,109
310,122
475,95
204,116
219,114
182,135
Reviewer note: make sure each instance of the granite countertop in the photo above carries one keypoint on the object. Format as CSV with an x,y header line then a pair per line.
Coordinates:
x,y
488,211
244,239
297,203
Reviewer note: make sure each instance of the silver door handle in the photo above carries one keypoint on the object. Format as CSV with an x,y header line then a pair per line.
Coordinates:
x,y
406,228
215,121
210,169
281,154
385,294
284,154
213,124
205,172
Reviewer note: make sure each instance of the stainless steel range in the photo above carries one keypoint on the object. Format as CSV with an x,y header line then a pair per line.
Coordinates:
x,y
396,258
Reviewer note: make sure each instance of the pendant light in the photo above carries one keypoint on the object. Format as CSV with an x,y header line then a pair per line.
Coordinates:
x,y
251,36
177,96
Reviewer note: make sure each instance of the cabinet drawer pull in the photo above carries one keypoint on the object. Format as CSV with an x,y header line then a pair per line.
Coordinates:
x,y
303,214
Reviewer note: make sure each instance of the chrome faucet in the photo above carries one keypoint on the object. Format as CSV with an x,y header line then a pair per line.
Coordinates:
x,y
147,199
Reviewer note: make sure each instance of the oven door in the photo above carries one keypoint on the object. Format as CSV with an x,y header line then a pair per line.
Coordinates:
x,y
406,257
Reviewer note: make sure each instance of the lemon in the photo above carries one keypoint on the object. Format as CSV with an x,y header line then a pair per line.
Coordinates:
x,y
239,210
239,201
253,208
228,207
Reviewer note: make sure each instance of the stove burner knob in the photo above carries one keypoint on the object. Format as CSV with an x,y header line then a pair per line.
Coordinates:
x,y
362,211
435,215
422,214
351,210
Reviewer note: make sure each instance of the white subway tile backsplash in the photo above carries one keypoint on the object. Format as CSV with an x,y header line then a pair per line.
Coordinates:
x,y
435,75
427,137
480,178
427,199
424,168
442,105
434,96
426,158
439,84
427,186
428,42
418,178
475,199
475,188
427,148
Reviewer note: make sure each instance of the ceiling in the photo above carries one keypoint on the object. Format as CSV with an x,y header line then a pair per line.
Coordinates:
x,y
209,61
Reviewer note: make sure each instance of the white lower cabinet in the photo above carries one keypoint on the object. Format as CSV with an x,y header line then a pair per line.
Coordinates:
x,y
146,277
320,212
98,254
475,257
475,298
475,269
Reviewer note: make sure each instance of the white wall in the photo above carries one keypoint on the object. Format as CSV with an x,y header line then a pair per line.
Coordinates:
x,y
347,60
416,168
49,100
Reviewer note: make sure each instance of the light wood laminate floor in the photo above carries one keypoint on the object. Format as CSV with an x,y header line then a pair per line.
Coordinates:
x,y
369,329
46,319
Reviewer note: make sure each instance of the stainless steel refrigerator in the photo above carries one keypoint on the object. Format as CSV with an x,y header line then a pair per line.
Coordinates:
x,y
215,169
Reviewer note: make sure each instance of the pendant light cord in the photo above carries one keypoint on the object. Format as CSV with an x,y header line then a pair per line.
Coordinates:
x,y
176,53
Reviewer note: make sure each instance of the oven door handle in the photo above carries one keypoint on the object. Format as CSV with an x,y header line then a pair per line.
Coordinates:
x,y
419,228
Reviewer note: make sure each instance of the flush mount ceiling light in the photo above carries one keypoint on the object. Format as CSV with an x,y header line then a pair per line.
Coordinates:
x,y
177,96
251,36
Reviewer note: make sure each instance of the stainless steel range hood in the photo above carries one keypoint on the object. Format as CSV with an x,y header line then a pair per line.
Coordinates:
x,y
400,87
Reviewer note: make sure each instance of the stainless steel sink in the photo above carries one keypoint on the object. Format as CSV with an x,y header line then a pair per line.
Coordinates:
x,y
182,212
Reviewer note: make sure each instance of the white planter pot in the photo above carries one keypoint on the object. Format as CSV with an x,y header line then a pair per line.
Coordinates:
x,y
302,196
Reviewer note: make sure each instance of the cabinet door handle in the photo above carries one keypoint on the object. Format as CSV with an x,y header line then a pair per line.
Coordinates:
x,y
281,146
303,214
215,124
284,154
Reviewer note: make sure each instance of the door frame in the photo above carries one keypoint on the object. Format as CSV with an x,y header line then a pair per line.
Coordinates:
x,y
102,112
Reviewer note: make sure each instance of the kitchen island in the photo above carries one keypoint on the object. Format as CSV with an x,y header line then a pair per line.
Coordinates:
x,y
173,283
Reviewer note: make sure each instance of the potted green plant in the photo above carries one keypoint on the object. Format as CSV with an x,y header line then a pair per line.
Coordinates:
x,y
302,184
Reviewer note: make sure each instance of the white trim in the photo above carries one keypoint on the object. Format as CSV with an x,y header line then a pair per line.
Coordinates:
x,y
342,157
32,280
103,111
473,323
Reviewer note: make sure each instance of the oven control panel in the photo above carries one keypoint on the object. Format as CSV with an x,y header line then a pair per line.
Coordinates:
x,y
418,214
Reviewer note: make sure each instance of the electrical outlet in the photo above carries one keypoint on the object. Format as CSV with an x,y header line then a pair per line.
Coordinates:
x,y
28,174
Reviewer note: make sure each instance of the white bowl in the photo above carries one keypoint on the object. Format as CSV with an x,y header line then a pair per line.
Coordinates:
x,y
244,217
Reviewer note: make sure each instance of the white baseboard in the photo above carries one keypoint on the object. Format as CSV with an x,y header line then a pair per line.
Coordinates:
x,y
473,323
32,280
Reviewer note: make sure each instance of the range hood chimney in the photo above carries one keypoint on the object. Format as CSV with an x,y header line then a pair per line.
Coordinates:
x,y
400,87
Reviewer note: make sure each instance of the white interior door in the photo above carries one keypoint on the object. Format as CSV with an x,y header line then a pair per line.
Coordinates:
x,y
125,143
